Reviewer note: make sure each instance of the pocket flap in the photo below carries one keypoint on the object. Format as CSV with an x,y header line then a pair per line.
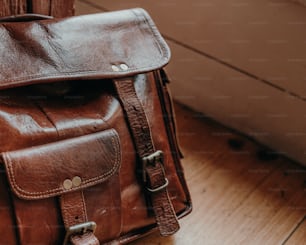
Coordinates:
x,y
68,165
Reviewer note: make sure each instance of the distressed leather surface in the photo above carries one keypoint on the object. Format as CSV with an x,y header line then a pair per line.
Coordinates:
x,y
78,47
49,131
92,158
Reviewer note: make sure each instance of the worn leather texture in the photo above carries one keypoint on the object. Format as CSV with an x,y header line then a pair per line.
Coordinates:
x,y
79,47
69,153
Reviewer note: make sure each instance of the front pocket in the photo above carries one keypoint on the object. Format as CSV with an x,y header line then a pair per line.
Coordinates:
x,y
39,175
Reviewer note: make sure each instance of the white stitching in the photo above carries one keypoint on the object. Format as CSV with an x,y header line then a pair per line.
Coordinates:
x,y
84,211
64,210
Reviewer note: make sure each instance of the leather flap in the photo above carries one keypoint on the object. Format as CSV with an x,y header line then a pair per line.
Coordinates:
x,y
56,168
97,46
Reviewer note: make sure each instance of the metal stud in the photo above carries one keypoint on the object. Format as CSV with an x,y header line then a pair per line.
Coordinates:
x,y
76,181
124,67
67,184
115,68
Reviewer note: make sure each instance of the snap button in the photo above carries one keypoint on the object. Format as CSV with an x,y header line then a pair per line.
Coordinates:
x,y
124,67
67,184
115,68
76,181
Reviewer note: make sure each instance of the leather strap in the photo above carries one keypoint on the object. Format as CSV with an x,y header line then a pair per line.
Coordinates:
x,y
73,208
74,212
154,174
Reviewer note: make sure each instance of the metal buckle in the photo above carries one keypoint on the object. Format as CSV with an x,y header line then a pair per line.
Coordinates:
x,y
160,187
151,159
79,229
156,156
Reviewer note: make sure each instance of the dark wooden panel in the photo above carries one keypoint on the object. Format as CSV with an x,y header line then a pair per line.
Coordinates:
x,y
41,6
12,7
299,235
56,8
60,8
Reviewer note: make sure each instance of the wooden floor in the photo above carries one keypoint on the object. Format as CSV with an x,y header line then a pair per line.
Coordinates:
x,y
242,193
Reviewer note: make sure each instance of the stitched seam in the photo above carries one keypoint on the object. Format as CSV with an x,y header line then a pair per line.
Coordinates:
x,y
64,74
52,75
84,207
56,191
64,210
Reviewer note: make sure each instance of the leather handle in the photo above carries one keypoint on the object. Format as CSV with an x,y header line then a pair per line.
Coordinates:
x,y
24,17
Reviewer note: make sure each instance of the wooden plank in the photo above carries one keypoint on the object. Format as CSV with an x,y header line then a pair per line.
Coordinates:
x,y
299,235
56,8
12,7
263,213
60,8
84,8
41,7
239,176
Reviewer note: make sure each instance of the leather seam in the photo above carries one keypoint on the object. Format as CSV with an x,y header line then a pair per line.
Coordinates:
x,y
69,74
84,211
57,191
65,212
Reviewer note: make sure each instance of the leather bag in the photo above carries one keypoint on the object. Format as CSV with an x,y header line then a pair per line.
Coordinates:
x,y
89,152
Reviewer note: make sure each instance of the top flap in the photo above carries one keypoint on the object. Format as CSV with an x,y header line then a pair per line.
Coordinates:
x,y
56,168
114,44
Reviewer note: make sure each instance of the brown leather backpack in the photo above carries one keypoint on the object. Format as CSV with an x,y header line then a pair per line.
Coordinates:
x,y
89,152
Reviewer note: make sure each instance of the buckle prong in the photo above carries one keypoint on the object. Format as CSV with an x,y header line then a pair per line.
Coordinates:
x,y
79,229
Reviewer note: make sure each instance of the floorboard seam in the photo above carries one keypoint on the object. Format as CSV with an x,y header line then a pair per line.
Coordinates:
x,y
294,230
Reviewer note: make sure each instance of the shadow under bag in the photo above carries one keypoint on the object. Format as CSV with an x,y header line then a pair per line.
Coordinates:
x,y
89,153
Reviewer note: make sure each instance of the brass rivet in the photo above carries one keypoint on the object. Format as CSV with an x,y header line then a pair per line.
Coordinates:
x,y
76,181
115,68
124,67
67,184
